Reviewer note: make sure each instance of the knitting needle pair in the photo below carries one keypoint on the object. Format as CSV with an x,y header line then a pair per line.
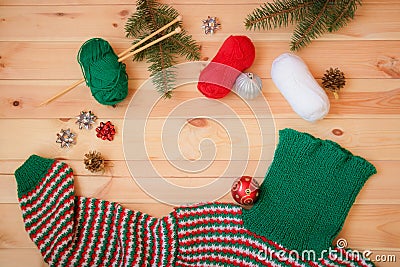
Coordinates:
x,y
127,53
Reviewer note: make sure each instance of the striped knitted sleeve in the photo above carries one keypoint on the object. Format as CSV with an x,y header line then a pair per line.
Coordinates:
x,y
79,231
46,197
213,234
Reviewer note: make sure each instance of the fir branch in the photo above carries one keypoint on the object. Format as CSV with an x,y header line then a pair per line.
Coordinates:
x,y
136,25
313,17
160,72
311,27
149,17
142,55
277,14
185,46
165,12
167,79
342,14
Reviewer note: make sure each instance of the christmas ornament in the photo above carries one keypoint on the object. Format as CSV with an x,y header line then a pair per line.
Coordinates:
x,y
313,18
85,120
248,85
333,81
210,25
300,208
294,80
65,138
105,131
245,190
93,161
236,54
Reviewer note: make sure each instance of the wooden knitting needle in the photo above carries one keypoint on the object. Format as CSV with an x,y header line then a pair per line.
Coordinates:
x,y
177,30
75,84
178,18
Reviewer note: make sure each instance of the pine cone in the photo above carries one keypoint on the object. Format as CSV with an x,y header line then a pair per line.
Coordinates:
x,y
334,80
94,162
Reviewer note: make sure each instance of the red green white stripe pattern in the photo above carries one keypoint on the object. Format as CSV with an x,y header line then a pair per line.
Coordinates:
x,y
77,231
213,235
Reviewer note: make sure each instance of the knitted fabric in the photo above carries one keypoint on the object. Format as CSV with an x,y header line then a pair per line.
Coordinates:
x,y
214,234
77,231
105,76
310,185
236,54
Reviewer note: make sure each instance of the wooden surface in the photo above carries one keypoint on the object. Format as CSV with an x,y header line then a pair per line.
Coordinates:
x,y
39,40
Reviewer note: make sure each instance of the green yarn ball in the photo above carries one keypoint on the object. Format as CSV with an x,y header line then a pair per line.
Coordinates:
x,y
104,75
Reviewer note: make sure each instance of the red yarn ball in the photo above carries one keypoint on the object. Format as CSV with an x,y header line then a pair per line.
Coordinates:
x,y
245,190
236,54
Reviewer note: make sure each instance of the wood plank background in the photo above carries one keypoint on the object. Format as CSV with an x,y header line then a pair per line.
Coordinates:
x,y
39,40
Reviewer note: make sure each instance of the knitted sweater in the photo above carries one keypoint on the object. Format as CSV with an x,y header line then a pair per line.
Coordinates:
x,y
77,231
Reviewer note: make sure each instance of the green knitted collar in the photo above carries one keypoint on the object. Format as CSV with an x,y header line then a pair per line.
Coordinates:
x,y
307,192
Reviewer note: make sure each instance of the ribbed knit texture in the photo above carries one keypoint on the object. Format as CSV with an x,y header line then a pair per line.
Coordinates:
x,y
31,175
307,192
77,231
214,234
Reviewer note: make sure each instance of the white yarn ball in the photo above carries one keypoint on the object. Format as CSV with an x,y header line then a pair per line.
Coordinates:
x,y
248,85
293,78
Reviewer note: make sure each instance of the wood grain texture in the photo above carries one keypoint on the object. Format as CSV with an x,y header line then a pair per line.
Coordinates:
x,y
368,98
39,40
382,188
21,257
66,18
356,135
170,2
29,60
31,257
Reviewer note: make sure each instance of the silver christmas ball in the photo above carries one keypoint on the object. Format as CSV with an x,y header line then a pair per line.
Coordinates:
x,y
248,85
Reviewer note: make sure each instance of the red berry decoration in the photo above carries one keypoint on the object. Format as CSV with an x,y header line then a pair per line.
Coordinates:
x,y
245,190
105,131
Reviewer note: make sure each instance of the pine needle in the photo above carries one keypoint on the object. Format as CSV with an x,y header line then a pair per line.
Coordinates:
x,y
342,14
149,17
277,14
312,26
312,17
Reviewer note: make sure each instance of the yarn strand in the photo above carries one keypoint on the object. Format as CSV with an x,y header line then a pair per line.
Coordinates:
x,y
108,88
104,75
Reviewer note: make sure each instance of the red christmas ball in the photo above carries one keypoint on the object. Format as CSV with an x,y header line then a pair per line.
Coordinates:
x,y
245,190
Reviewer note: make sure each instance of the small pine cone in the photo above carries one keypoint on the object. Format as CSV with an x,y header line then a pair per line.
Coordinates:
x,y
94,162
334,80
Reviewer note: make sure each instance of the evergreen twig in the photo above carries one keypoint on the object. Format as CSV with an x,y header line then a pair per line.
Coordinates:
x,y
149,17
313,17
343,14
312,26
277,14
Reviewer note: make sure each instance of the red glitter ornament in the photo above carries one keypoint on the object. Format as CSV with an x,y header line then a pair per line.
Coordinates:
x,y
245,190
105,131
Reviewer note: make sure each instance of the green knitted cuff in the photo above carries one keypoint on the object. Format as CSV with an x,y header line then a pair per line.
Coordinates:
x,y
31,172
307,192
